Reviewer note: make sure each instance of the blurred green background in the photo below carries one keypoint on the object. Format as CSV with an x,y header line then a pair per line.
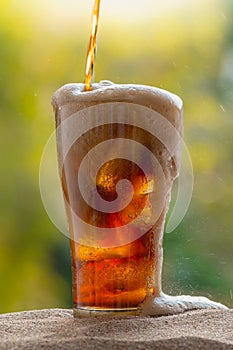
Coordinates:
x,y
182,46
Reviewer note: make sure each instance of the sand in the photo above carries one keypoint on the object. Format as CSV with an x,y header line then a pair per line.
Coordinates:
x,y
57,329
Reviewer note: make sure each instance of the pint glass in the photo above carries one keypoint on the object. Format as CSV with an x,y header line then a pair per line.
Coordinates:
x,y
118,154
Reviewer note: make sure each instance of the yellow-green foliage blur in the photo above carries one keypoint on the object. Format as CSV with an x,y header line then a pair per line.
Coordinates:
x,y
189,52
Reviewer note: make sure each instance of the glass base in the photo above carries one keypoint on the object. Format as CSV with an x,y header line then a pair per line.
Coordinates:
x,y
87,312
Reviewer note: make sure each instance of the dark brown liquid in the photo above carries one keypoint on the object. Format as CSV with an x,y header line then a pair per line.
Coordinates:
x,y
92,46
120,276
116,277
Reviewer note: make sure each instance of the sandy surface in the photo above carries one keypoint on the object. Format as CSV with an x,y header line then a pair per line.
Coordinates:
x,y
57,329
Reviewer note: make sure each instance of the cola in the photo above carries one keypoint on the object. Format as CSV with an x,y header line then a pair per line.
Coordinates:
x,y
117,161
